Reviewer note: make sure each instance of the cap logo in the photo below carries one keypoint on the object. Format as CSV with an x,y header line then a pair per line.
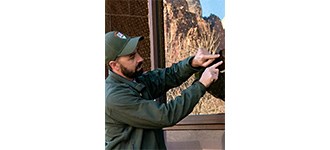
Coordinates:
x,y
120,35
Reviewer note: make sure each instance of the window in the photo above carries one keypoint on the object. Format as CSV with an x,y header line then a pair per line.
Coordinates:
x,y
186,30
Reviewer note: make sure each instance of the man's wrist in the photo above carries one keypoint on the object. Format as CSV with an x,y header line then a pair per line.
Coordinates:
x,y
201,85
192,64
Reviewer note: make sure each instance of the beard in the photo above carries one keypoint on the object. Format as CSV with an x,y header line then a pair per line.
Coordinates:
x,y
132,74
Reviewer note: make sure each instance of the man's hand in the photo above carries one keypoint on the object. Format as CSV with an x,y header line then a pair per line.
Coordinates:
x,y
203,58
210,75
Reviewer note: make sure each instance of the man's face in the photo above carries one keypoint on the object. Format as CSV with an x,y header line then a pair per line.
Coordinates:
x,y
131,65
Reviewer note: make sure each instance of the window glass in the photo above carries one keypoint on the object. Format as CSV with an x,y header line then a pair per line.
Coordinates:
x,y
189,25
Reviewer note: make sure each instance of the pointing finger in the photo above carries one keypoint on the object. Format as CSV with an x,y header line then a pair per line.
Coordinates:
x,y
211,56
208,62
216,64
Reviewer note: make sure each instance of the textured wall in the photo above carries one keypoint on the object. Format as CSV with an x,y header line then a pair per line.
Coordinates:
x,y
131,18
195,139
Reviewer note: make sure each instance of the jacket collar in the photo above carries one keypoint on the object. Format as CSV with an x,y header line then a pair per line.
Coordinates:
x,y
133,84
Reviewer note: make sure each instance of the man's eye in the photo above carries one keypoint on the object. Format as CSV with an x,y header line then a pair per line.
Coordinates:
x,y
131,56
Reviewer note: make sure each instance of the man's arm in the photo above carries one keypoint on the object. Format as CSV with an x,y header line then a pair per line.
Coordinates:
x,y
160,80
129,108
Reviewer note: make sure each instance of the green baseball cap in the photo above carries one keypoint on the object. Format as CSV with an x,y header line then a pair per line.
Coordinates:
x,y
119,44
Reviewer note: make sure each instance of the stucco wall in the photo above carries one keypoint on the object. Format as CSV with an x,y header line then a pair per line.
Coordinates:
x,y
131,18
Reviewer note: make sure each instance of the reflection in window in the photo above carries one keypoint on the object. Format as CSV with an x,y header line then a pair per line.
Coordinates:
x,y
186,30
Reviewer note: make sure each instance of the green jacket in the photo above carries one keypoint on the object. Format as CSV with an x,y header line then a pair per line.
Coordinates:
x,y
134,119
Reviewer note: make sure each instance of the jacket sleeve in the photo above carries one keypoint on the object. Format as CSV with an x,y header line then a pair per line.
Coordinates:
x,y
160,81
131,109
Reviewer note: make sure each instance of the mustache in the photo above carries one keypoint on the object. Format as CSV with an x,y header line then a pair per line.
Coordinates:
x,y
139,65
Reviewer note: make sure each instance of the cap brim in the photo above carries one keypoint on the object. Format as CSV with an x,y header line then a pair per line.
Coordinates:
x,y
131,46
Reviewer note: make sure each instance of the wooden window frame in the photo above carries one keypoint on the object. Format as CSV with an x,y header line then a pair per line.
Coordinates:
x,y
157,56
201,122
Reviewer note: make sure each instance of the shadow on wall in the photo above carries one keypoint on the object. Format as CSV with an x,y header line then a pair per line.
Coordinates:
x,y
184,145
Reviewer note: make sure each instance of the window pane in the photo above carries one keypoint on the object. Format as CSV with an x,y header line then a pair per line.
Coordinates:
x,y
187,28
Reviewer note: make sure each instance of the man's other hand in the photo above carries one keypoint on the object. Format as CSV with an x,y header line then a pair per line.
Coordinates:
x,y
203,58
210,75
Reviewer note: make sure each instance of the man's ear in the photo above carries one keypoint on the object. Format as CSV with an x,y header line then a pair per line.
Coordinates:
x,y
113,65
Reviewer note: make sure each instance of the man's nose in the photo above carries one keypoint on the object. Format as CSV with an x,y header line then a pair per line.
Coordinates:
x,y
139,58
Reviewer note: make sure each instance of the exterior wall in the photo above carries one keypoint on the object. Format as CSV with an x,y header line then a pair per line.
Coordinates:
x,y
197,132
131,18
195,139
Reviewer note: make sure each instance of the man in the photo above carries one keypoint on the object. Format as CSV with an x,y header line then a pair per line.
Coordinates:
x,y
133,118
